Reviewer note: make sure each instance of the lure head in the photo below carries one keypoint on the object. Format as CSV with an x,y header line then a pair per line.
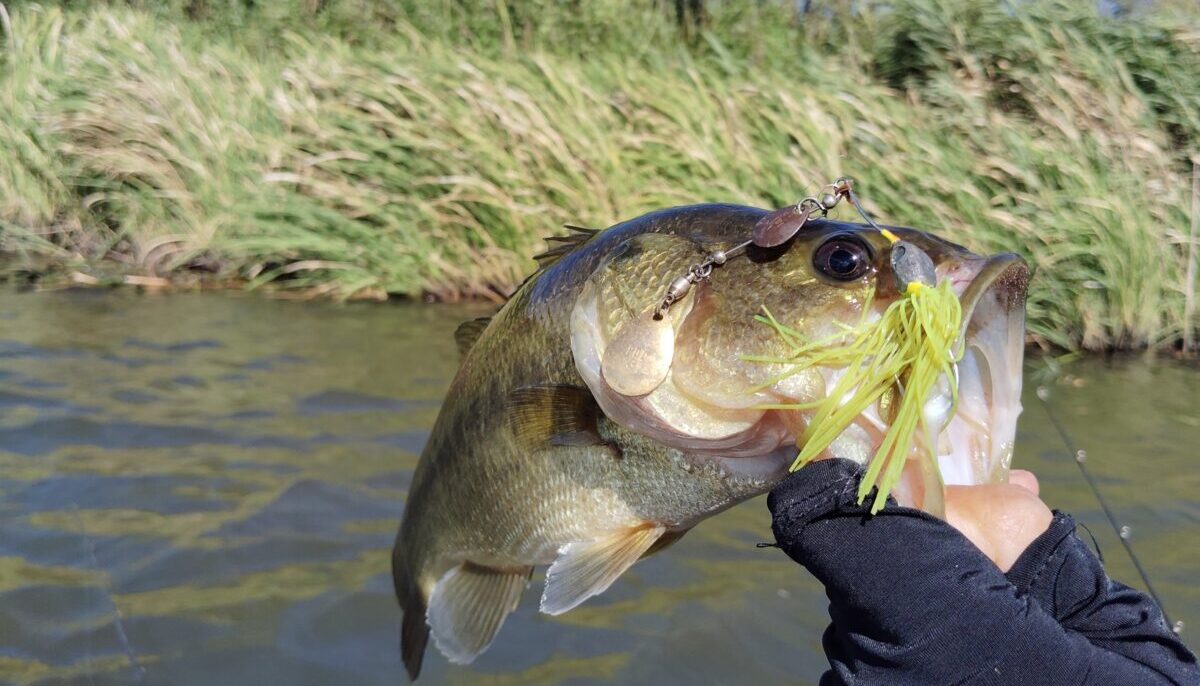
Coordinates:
x,y
710,377
911,267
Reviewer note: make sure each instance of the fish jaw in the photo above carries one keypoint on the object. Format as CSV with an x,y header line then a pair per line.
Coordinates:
x,y
975,443
976,446
762,472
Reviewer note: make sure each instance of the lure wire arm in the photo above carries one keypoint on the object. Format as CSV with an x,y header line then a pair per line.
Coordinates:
x,y
831,195
806,208
701,271
845,185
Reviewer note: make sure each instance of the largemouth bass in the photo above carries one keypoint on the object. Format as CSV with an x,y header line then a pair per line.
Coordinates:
x,y
584,433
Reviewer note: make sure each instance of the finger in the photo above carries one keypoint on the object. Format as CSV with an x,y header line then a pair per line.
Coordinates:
x,y
1025,479
1000,519
967,513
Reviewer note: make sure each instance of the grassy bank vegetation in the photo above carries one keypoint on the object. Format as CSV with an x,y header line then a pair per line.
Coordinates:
x,y
397,147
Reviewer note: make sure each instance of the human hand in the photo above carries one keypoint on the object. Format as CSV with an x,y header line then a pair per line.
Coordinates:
x,y
1000,519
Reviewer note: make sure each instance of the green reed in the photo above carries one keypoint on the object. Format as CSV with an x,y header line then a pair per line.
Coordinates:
x,y
365,148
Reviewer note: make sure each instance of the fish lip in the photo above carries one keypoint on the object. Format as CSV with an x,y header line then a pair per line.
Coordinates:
x,y
1007,275
982,430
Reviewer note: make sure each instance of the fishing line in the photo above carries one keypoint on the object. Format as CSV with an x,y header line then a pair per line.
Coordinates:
x,y
139,672
1124,533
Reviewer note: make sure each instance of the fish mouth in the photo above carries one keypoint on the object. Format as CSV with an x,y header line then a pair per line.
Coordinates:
x,y
976,445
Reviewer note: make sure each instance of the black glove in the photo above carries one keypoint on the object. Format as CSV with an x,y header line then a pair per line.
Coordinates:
x,y
914,602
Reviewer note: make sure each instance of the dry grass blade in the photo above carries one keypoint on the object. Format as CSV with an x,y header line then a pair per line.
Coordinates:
x,y
432,157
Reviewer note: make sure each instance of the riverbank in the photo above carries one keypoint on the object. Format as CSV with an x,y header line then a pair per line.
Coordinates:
x,y
396,153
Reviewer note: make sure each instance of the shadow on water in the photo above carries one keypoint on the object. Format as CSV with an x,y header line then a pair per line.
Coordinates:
x,y
204,489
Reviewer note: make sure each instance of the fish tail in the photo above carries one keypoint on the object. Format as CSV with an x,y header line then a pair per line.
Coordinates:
x,y
414,632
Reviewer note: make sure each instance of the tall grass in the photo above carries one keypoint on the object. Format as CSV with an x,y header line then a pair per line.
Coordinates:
x,y
379,148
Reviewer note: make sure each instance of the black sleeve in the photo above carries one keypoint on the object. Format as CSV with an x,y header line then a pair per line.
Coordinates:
x,y
914,602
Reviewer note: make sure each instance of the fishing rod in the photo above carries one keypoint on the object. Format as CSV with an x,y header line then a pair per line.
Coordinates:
x,y
1124,532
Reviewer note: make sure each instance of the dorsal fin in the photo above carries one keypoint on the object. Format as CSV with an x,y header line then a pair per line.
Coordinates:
x,y
564,245
468,332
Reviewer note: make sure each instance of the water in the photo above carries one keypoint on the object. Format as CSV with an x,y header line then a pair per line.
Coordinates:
x,y
203,489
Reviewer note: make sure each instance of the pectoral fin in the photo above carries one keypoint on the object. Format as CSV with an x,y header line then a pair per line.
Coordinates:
x,y
542,416
586,568
468,605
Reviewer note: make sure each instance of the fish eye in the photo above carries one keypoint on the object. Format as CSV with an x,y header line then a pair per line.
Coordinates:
x,y
843,258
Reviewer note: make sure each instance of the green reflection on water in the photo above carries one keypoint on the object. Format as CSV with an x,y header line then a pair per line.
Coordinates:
x,y
227,474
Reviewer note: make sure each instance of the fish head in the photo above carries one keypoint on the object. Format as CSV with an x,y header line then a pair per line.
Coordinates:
x,y
709,377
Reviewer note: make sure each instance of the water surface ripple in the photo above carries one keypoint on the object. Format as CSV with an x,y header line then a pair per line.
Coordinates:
x,y
203,489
